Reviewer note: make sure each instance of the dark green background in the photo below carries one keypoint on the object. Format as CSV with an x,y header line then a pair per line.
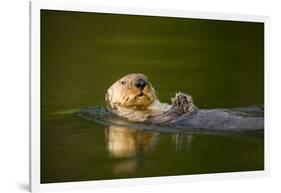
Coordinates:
x,y
220,63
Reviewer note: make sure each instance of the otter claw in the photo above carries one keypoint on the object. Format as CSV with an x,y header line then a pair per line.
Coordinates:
x,y
184,102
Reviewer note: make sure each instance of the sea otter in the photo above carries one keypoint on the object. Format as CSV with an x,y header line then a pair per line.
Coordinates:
x,y
133,98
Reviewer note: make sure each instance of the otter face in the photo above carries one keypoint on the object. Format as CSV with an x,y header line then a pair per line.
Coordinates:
x,y
131,91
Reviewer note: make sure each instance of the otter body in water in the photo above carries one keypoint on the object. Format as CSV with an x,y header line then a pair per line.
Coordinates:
x,y
134,99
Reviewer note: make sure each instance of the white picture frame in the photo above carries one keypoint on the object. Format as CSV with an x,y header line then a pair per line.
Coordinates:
x,y
36,6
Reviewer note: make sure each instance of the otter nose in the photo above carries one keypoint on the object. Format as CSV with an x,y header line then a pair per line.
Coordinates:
x,y
140,83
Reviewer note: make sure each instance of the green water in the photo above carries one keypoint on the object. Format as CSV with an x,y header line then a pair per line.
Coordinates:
x,y
219,63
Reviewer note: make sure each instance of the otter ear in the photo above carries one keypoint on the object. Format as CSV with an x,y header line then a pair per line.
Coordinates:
x,y
107,94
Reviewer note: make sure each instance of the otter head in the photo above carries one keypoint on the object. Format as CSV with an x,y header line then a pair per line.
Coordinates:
x,y
131,91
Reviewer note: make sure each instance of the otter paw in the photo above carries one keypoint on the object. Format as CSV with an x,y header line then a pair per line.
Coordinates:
x,y
183,102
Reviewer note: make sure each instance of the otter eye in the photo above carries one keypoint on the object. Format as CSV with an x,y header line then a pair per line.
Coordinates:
x,y
123,82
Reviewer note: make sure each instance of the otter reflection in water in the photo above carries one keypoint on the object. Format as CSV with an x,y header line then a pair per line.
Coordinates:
x,y
134,145
128,142
131,144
